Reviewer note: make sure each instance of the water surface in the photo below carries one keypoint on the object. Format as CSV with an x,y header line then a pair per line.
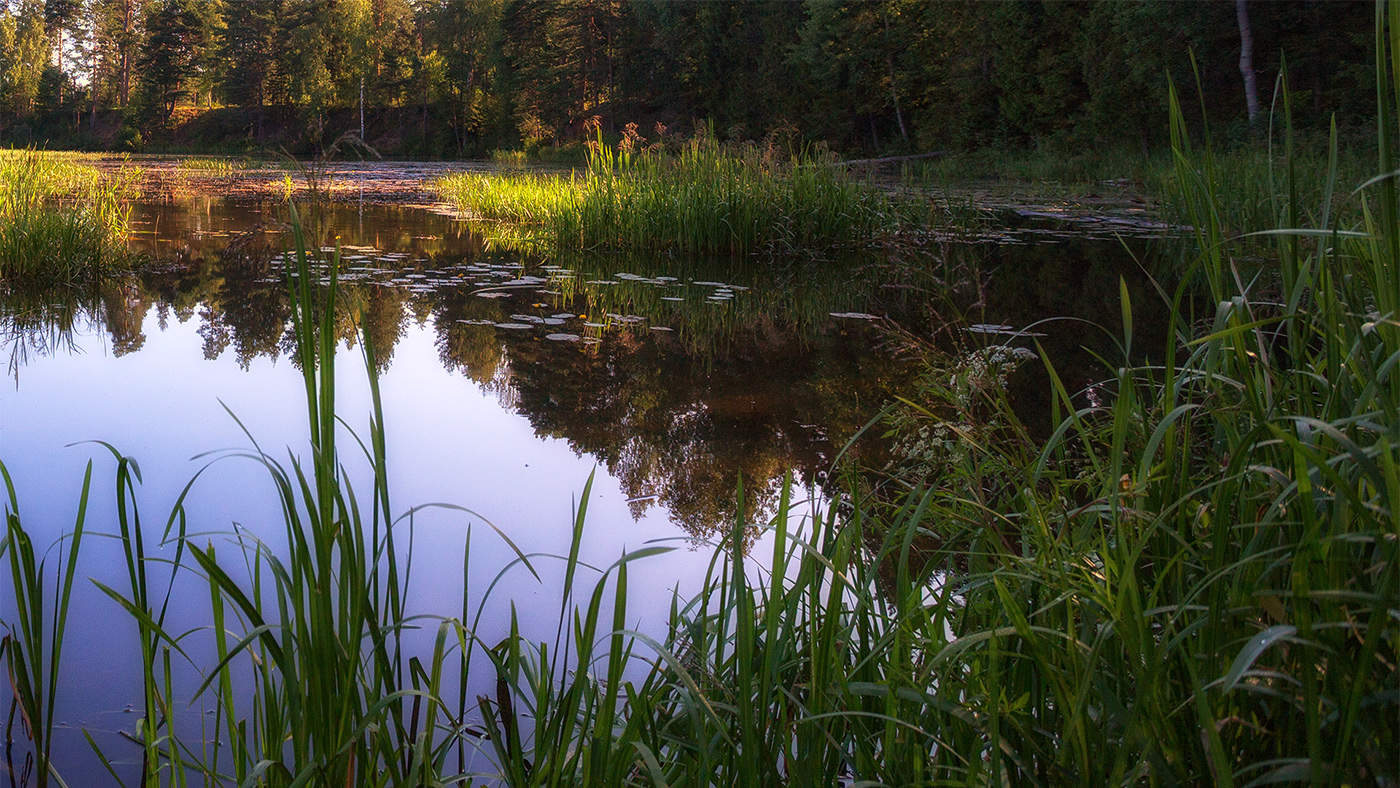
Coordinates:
x,y
507,382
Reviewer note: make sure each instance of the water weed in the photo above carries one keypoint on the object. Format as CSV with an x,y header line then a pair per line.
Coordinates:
x,y
696,197
61,222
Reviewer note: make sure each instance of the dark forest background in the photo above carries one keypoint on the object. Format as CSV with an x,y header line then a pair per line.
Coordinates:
x,y
456,78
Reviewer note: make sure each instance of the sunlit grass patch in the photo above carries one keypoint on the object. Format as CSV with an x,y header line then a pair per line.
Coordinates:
x,y
61,221
208,166
700,198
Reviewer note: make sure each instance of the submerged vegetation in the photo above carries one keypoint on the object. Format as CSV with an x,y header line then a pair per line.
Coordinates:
x,y
698,197
61,221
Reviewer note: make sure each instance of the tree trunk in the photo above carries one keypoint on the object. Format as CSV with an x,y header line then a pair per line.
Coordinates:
x,y
894,94
60,65
1251,92
128,28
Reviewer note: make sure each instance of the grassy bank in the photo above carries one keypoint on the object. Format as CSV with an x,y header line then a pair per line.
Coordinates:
x,y
699,198
61,221
1252,175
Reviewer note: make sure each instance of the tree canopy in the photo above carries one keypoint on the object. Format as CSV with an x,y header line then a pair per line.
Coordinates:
x,y
461,77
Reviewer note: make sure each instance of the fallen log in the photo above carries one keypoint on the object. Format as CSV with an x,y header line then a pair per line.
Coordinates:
x,y
891,159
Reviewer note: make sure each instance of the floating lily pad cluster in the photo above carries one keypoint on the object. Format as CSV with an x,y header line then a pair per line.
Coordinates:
x,y
508,282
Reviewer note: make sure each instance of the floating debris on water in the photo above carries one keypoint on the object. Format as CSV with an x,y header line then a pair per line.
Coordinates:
x,y
562,337
662,328
856,315
515,326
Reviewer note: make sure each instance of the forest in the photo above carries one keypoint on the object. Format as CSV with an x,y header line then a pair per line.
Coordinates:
x,y
461,78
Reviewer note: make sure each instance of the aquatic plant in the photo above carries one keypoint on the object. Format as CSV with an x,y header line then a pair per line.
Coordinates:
x,y
208,166
510,158
33,645
699,198
61,222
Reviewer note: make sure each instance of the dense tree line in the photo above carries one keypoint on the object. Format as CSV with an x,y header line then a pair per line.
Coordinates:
x,y
461,77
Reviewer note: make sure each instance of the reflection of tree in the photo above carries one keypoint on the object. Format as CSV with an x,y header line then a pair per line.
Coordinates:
x,y
685,431
377,312
124,311
745,389
678,418
472,349
39,322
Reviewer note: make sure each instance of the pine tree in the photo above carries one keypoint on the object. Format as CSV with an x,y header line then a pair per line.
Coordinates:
x,y
249,54
23,55
174,36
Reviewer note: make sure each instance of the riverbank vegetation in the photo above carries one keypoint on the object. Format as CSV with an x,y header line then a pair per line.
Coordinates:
x,y
698,197
61,221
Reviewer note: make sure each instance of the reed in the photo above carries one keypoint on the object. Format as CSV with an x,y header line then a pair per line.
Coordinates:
x,y
33,645
208,166
61,221
699,198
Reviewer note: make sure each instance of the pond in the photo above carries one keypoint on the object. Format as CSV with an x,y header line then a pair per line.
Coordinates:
x,y
507,381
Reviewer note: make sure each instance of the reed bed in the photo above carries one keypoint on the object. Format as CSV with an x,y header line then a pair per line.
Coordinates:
x,y
208,166
700,197
61,221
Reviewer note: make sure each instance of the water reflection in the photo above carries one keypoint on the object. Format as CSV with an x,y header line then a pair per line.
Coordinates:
x,y
680,378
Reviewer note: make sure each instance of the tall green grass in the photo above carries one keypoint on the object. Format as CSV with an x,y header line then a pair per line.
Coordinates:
x,y
61,221
702,198
33,645
208,166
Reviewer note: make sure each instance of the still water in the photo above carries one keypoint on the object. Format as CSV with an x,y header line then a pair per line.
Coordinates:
x,y
507,382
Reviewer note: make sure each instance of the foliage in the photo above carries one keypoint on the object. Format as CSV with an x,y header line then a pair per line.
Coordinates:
x,y
703,198
174,37
61,222
463,77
